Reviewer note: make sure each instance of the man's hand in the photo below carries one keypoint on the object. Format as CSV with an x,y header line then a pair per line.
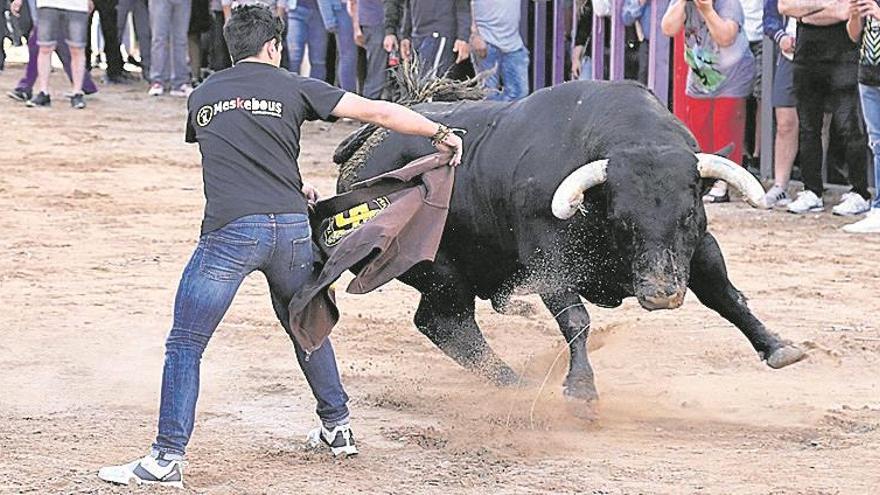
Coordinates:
x,y
389,43
405,49
462,49
15,8
704,6
786,44
454,146
478,45
359,38
576,56
310,193
868,8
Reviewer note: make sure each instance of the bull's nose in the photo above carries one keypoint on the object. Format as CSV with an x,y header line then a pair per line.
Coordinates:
x,y
662,301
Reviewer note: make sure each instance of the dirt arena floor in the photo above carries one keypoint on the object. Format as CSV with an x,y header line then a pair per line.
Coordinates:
x,y
100,212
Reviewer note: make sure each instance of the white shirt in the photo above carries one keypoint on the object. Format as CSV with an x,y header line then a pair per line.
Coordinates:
x,y
754,25
74,5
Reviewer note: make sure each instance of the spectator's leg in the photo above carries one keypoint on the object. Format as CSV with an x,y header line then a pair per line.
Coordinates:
x,y
377,62
285,54
195,55
729,124
786,146
698,118
49,24
180,26
846,116
317,41
811,87
346,65
44,68
297,36
871,108
491,62
141,18
107,10
30,73
514,68
644,61
219,52
3,33
160,27
77,24
123,8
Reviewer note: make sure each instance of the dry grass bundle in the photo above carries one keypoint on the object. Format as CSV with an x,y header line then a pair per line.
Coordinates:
x,y
413,85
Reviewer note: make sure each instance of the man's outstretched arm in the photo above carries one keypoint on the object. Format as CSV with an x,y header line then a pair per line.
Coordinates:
x,y
400,119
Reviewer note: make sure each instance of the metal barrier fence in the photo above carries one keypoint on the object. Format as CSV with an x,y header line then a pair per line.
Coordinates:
x,y
549,26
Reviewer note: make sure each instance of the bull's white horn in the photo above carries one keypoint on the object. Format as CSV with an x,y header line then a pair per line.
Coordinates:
x,y
570,193
717,167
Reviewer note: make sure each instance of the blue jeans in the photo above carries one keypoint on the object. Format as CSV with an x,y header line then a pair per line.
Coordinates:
x,y
169,24
280,246
346,62
306,28
511,74
435,53
871,111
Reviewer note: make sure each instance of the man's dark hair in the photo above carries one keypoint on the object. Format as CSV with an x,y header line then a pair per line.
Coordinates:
x,y
249,28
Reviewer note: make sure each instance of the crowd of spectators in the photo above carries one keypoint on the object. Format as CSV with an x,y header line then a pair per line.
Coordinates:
x,y
825,92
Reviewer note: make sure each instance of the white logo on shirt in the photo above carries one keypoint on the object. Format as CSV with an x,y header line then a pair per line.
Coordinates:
x,y
255,106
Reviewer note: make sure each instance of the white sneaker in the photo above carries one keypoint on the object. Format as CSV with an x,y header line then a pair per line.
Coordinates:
x,y
339,439
156,89
868,225
145,471
806,202
851,204
183,91
776,196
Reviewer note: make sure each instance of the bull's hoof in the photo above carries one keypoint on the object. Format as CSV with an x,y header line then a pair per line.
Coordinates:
x,y
583,402
583,390
784,356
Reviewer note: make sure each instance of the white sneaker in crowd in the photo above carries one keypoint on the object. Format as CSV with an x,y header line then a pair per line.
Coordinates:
x,y
156,89
182,91
776,196
868,225
851,204
806,202
145,471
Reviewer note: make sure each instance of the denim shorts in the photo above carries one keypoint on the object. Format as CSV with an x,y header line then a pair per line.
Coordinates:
x,y
52,22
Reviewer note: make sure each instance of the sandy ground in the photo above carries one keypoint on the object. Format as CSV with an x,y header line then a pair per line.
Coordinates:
x,y
101,210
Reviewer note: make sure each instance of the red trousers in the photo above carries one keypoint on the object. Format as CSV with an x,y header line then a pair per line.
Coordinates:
x,y
716,123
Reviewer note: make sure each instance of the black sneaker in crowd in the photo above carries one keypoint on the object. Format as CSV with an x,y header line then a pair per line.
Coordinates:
x,y
40,100
78,101
19,94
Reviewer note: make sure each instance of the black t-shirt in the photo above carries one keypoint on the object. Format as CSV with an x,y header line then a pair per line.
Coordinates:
x,y
824,44
247,122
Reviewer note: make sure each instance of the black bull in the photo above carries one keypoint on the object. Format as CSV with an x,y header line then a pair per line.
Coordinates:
x,y
642,233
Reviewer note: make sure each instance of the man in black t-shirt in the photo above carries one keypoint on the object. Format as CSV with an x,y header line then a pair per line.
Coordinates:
x,y
247,122
826,80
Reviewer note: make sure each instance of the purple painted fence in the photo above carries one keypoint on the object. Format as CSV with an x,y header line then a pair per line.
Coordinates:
x,y
546,23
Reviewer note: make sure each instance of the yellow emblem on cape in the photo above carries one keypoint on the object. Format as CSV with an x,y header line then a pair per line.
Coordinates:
x,y
349,220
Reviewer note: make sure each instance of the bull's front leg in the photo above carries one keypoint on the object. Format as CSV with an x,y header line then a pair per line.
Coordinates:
x,y
574,322
710,284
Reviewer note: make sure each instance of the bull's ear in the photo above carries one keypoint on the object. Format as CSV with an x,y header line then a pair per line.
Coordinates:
x,y
705,186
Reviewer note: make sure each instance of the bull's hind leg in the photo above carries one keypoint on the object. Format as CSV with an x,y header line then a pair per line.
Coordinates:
x,y
446,316
710,284
574,322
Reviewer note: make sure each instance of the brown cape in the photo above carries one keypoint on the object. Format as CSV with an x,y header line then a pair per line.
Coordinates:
x,y
379,229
